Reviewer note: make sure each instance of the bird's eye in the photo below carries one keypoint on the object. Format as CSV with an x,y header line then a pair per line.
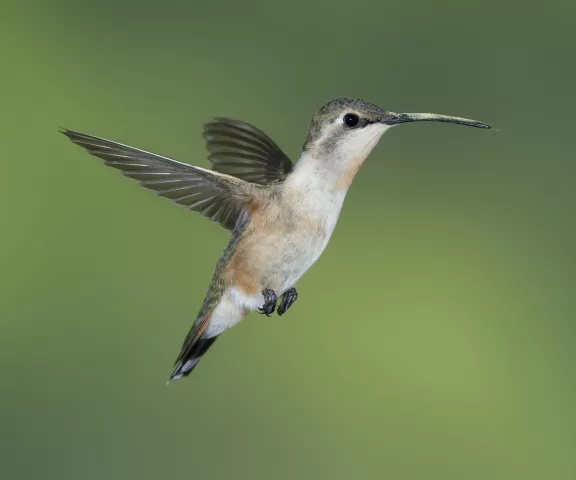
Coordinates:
x,y
351,120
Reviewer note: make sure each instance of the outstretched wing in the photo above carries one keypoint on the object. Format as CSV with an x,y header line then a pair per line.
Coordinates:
x,y
241,150
219,197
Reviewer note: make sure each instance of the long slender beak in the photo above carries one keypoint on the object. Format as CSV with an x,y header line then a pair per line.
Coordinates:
x,y
431,117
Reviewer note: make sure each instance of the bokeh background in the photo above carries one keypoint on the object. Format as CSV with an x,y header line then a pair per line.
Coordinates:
x,y
433,340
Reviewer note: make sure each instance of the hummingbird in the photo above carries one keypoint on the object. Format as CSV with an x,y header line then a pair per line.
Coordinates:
x,y
280,215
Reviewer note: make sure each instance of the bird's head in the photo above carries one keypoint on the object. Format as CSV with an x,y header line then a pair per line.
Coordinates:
x,y
350,128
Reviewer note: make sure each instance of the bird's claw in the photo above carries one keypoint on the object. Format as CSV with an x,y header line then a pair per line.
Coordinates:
x,y
270,299
287,300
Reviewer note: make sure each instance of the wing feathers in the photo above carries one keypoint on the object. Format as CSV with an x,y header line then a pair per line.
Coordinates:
x,y
221,198
241,150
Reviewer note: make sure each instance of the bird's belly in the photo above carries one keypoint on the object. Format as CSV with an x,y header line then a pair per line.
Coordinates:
x,y
295,259
280,273
293,271
276,256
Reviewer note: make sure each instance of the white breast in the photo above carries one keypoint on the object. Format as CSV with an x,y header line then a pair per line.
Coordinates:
x,y
317,206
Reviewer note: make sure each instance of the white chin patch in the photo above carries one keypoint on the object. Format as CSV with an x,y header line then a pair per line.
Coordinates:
x,y
361,141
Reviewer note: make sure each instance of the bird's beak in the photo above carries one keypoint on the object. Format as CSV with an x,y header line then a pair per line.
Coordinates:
x,y
397,118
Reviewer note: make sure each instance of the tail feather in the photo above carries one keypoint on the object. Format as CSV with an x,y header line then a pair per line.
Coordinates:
x,y
189,358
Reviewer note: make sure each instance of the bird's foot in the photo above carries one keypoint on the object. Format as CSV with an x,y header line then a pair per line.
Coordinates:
x,y
287,300
270,299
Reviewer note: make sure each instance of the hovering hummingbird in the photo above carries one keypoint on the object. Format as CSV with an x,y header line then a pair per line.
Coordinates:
x,y
280,215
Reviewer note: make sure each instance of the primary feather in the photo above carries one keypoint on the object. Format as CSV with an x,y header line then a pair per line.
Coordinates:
x,y
219,197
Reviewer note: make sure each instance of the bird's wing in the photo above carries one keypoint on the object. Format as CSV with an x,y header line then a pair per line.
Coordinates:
x,y
241,150
221,198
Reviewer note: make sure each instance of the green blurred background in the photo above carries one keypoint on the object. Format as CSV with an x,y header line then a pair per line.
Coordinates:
x,y
433,340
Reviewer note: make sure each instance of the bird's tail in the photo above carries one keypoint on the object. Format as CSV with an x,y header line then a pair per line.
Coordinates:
x,y
189,357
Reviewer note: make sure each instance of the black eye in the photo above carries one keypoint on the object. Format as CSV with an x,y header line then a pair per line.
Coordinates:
x,y
351,120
